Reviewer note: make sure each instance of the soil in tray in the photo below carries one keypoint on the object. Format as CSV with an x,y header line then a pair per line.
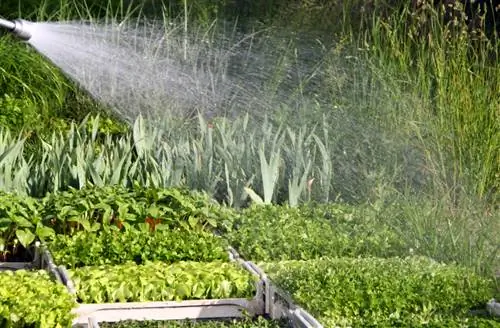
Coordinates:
x,y
259,322
16,254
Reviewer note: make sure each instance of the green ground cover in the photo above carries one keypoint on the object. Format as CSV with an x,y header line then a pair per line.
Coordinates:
x,y
33,299
395,292
345,276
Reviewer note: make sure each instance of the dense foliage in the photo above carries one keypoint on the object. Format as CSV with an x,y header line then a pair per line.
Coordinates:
x,y
438,96
258,322
273,233
383,292
24,219
20,224
112,246
89,208
32,299
157,281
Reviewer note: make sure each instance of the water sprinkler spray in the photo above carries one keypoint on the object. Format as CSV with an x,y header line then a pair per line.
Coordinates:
x,y
18,27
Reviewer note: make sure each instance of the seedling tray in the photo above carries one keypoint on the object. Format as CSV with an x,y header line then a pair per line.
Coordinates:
x,y
279,304
268,300
274,302
91,314
196,309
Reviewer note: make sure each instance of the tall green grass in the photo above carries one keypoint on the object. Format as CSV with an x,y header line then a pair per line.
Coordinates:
x,y
454,76
32,90
444,84
36,96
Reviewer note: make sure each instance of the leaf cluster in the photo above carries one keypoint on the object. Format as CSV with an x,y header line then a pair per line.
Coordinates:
x,y
24,219
89,208
112,246
271,233
32,299
157,281
393,292
20,222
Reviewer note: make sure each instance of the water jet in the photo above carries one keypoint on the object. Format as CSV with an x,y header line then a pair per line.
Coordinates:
x,y
19,27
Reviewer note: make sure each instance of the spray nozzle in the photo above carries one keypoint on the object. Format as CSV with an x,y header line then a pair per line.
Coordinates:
x,y
18,27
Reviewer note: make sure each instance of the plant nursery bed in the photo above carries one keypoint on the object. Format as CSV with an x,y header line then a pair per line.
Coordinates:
x,y
90,209
178,291
167,311
280,233
395,292
138,244
162,291
256,322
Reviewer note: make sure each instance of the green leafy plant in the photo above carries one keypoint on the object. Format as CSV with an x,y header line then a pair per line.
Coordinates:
x,y
114,246
32,299
24,219
20,224
273,233
408,103
15,112
383,292
88,209
157,281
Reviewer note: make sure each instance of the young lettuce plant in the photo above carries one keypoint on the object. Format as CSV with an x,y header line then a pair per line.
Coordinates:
x,y
33,299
